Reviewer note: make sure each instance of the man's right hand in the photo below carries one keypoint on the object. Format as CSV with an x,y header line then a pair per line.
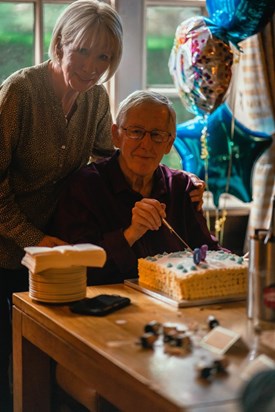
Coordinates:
x,y
147,214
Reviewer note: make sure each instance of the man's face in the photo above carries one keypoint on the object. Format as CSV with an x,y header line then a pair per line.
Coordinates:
x,y
140,158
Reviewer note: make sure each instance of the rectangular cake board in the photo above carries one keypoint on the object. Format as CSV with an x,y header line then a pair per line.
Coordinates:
x,y
134,283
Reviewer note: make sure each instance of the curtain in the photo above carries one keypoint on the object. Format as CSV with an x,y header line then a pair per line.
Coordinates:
x,y
252,101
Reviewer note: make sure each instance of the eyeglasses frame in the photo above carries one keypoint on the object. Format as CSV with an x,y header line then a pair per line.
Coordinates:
x,y
144,133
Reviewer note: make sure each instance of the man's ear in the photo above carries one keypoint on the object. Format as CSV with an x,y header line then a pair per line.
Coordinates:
x,y
115,135
169,145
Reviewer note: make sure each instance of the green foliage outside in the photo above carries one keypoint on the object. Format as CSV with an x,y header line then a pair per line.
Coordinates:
x,y
158,52
16,37
17,34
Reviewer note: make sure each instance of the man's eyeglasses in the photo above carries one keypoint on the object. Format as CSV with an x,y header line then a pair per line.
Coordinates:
x,y
138,133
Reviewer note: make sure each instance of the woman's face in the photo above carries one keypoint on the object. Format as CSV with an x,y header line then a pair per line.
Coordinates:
x,y
82,67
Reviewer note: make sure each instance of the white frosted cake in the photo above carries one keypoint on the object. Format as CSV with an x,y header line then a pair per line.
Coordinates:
x,y
176,274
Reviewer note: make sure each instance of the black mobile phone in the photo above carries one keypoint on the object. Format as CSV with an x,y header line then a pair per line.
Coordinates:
x,y
100,305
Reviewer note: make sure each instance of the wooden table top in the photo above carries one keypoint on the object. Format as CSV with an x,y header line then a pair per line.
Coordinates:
x,y
113,340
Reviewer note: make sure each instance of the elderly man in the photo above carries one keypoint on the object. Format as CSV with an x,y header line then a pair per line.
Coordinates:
x,y
120,203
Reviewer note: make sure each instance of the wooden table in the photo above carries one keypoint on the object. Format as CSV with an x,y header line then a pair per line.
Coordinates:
x,y
104,352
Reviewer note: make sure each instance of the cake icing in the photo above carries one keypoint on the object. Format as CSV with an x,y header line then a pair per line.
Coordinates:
x,y
177,275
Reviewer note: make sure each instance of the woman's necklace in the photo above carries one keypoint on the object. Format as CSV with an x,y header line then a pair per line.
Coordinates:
x,y
69,109
69,113
68,100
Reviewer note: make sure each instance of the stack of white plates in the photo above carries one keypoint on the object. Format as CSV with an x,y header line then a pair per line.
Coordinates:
x,y
58,285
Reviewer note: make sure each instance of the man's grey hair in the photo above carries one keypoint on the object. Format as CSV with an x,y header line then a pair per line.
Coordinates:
x,y
83,18
146,96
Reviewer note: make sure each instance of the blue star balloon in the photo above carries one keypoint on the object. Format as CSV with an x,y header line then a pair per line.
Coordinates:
x,y
242,148
240,18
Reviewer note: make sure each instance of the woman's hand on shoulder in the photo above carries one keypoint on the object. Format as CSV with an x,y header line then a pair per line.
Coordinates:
x,y
51,241
196,195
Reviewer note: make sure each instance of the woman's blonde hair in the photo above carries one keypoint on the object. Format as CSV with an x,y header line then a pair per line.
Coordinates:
x,y
75,24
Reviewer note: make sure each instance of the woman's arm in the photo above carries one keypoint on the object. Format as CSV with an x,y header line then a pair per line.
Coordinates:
x,y
13,223
15,115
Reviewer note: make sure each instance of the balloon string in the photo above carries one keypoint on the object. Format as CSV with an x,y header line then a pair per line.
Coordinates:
x,y
230,162
222,220
205,157
219,225
219,221
230,155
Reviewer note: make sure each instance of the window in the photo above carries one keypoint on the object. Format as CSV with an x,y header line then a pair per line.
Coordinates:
x,y
50,13
161,22
25,31
16,37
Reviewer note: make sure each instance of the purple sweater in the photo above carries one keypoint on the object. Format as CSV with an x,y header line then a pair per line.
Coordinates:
x,y
96,207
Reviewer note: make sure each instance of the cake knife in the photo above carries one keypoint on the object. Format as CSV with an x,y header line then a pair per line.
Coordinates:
x,y
164,221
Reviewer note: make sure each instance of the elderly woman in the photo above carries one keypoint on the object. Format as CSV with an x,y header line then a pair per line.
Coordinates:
x,y
53,118
119,203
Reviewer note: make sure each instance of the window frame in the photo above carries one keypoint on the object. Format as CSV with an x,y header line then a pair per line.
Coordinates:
x,y
132,62
171,91
134,52
38,24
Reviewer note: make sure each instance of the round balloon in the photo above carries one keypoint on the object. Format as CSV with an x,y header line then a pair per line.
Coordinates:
x,y
243,148
240,18
200,64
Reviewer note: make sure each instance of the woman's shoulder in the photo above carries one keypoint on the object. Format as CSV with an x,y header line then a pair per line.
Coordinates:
x,y
25,77
95,104
97,92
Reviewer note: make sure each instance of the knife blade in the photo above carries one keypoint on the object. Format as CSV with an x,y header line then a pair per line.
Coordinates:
x,y
164,221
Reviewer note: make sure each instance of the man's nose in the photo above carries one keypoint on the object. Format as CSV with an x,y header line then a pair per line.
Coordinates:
x,y
146,138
